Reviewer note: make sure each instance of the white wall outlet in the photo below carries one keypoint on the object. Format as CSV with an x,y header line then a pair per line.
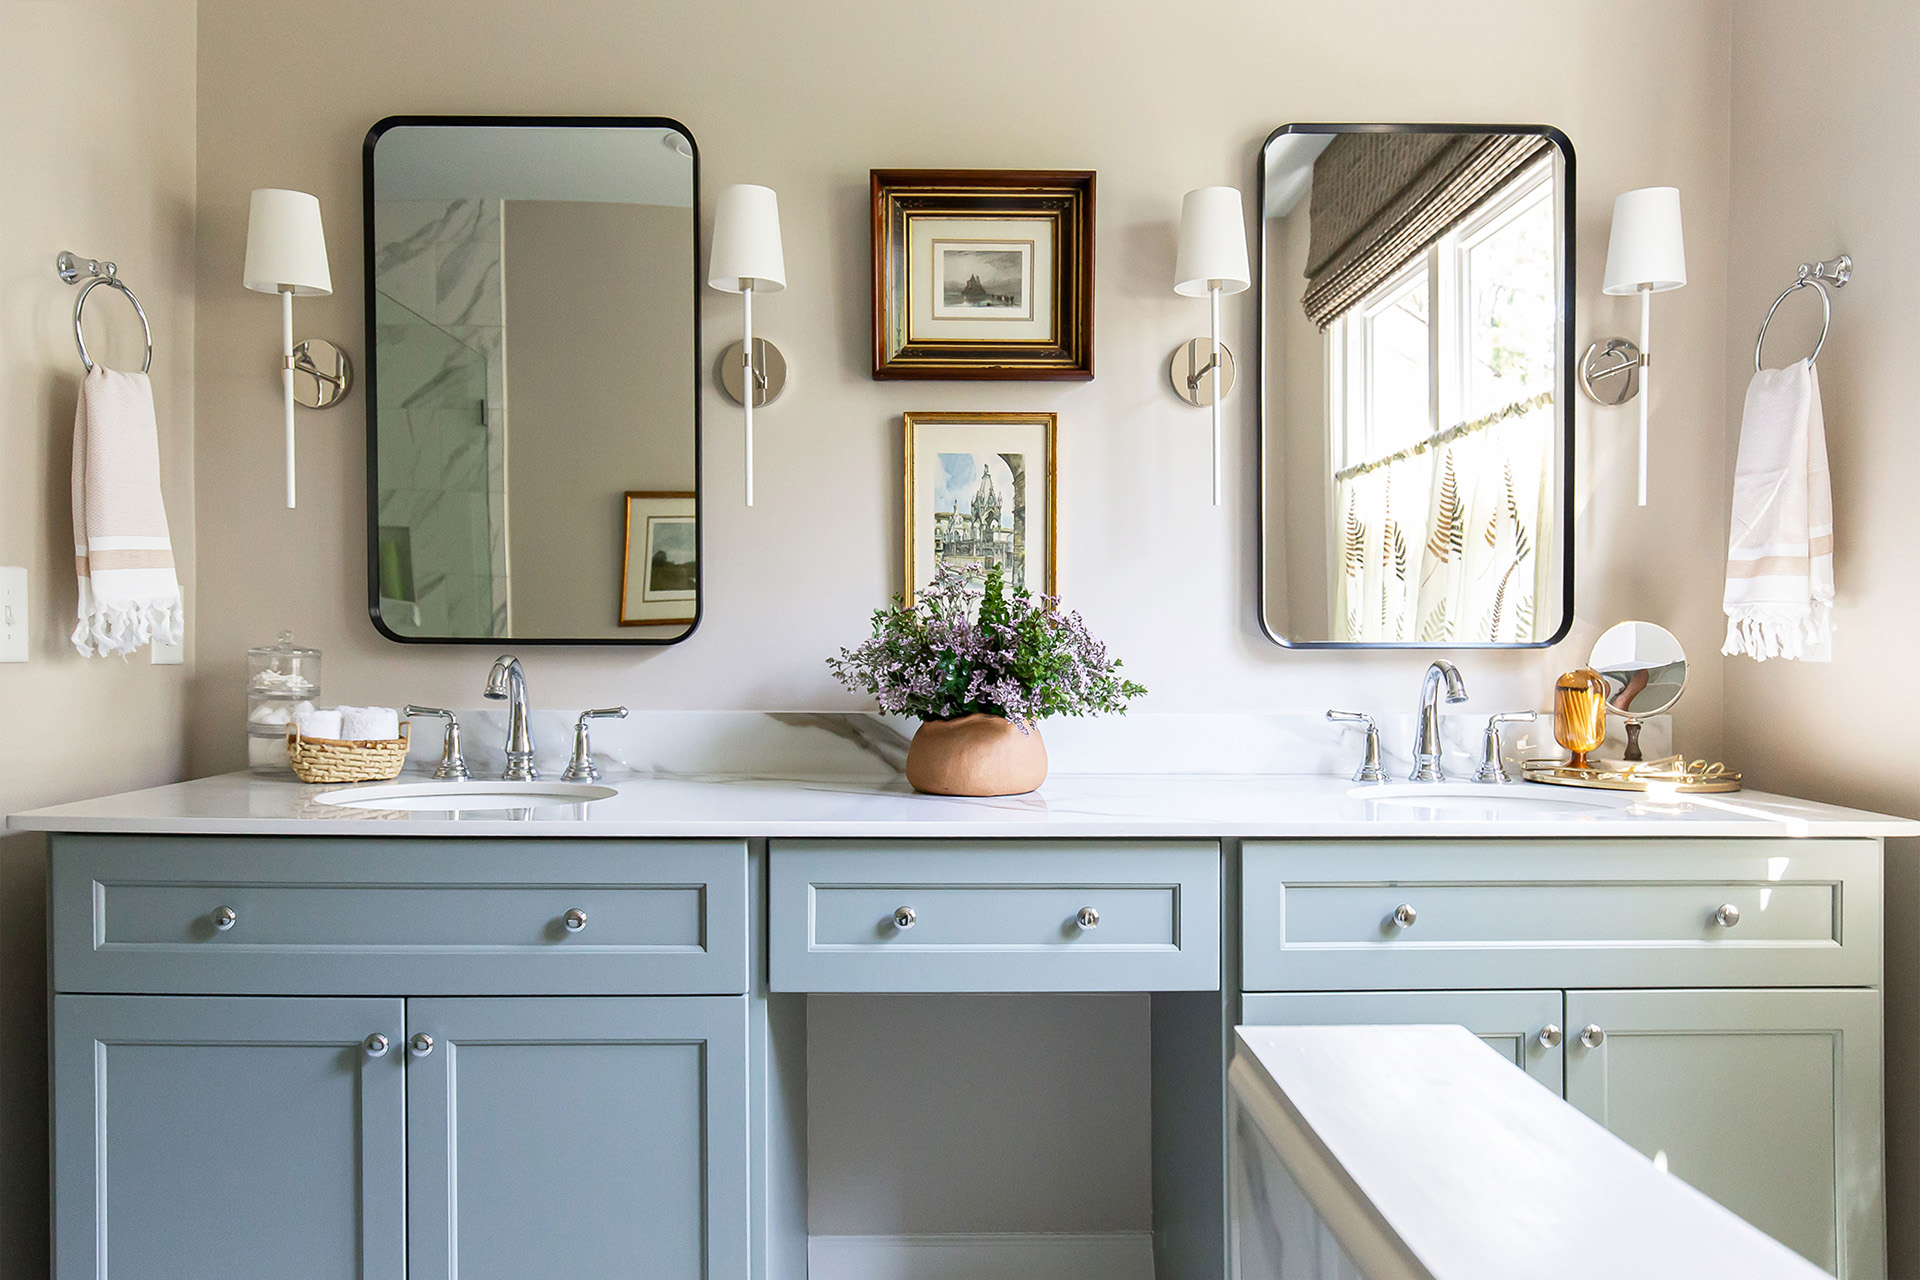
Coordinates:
x,y
167,655
13,615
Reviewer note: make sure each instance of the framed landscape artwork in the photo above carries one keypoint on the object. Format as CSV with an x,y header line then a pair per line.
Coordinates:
x,y
661,574
980,492
982,273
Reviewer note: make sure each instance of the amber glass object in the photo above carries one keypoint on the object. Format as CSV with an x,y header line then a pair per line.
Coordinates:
x,y
1580,713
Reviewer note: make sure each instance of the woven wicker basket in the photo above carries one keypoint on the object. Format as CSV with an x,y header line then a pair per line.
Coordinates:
x,y
334,760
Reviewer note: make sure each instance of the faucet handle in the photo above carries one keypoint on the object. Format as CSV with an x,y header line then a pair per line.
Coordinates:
x,y
453,766
1369,770
1491,767
581,768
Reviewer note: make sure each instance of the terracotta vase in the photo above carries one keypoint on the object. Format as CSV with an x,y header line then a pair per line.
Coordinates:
x,y
976,755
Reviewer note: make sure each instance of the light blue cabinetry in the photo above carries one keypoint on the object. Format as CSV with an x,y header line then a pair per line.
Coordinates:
x,y
1714,1003
228,1136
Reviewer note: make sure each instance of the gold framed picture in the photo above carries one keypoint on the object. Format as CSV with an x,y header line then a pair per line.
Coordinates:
x,y
983,273
980,491
660,573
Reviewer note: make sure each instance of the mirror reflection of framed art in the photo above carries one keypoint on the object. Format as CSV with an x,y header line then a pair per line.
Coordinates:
x,y
982,273
661,578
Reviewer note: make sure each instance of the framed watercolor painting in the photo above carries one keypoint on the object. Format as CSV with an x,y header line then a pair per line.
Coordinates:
x,y
660,576
982,273
979,492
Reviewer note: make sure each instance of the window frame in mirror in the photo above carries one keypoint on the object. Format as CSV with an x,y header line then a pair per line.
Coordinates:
x,y
1272,504
370,366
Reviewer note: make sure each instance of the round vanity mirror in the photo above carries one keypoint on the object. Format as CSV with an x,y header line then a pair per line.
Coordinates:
x,y
1645,670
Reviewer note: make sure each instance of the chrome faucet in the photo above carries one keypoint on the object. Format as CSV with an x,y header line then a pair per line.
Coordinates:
x,y
1426,742
508,681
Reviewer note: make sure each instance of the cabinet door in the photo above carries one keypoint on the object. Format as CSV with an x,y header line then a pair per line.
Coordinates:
x,y
1512,1022
599,1138
227,1136
1767,1101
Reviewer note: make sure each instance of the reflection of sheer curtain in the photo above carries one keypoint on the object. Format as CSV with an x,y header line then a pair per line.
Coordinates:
x,y
1440,541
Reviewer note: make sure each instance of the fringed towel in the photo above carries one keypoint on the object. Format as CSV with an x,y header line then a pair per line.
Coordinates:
x,y
129,595
1779,597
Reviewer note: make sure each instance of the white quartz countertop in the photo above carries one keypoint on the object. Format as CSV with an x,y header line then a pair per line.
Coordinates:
x,y
1069,805
1423,1143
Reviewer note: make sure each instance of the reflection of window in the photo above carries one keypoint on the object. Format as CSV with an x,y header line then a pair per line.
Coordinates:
x,y
1464,330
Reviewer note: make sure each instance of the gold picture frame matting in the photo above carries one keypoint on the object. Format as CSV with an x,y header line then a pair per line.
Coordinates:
x,y
997,476
653,595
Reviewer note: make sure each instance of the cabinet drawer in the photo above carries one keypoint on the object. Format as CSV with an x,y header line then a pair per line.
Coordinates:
x,y
994,916
421,916
1562,913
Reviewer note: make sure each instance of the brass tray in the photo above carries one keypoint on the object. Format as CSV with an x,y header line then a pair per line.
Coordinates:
x,y
1672,775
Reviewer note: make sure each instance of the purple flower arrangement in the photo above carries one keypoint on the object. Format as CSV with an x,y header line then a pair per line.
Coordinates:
x,y
959,651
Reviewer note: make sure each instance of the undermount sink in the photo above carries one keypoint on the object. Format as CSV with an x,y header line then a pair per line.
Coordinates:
x,y
1477,797
465,797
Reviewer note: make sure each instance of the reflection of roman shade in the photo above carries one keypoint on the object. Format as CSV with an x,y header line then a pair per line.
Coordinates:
x,y
1380,199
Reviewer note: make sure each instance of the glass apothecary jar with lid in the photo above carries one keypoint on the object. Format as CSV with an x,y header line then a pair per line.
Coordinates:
x,y
282,681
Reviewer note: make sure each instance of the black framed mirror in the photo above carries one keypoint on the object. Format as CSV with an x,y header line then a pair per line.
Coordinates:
x,y
1415,323
532,365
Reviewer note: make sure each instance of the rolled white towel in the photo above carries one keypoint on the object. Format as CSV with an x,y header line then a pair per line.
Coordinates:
x,y
369,724
320,724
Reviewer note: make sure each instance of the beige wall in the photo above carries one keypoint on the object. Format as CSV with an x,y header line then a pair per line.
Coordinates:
x,y
808,100
96,109
1822,164
599,396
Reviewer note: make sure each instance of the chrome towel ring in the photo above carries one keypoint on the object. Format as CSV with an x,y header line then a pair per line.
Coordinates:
x,y
1838,271
97,273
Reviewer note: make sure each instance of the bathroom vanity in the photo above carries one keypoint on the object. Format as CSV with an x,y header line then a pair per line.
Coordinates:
x,y
408,1043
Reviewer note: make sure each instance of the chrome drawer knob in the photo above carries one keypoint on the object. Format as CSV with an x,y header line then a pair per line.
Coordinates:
x,y
1404,915
224,918
421,1044
1593,1037
375,1045
1549,1037
1727,916
575,920
904,917
1088,918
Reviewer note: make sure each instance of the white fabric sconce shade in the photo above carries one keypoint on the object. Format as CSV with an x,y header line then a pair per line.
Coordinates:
x,y
1212,261
1213,243
1646,254
746,242
747,258
1646,250
287,255
286,246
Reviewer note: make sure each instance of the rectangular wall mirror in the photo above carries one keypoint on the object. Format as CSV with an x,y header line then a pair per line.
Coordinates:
x,y
1416,421
532,364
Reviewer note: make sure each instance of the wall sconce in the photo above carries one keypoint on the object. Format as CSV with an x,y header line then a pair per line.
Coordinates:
x,y
747,258
287,255
1645,255
1212,261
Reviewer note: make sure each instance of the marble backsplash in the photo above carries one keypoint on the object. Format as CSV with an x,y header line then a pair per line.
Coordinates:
x,y
853,744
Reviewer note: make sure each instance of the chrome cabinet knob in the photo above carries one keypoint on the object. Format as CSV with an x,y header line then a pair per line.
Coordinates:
x,y
1727,916
1404,915
904,917
375,1045
575,920
1088,917
421,1044
224,918
1549,1037
1592,1036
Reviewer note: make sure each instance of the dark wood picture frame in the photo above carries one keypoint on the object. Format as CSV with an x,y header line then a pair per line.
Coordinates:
x,y
1063,198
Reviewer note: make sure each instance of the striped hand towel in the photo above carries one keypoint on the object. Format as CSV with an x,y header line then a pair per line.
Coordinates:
x,y
1779,599
129,595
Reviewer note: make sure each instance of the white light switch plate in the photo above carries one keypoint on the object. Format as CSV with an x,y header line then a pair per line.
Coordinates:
x,y
13,615
166,655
